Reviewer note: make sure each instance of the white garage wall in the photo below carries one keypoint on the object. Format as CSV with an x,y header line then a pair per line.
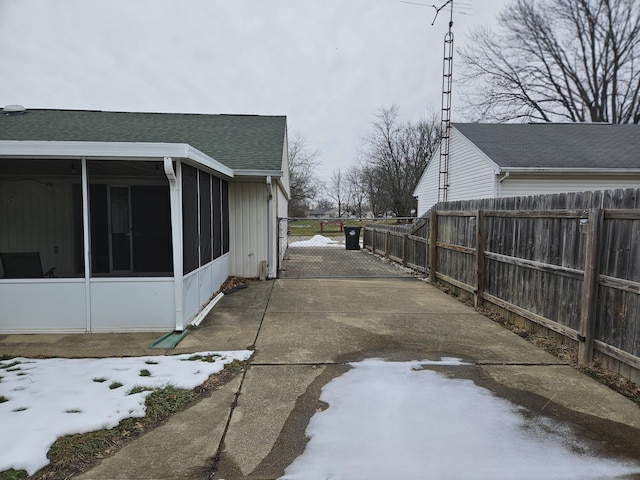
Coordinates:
x,y
248,227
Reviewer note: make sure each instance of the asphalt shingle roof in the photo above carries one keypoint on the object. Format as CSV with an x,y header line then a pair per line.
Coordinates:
x,y
237,141
557,145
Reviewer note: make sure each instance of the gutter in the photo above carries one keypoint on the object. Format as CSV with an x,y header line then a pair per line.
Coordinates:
x,y
608,171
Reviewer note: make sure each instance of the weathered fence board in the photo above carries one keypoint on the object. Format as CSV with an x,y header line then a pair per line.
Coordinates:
x,y
568,262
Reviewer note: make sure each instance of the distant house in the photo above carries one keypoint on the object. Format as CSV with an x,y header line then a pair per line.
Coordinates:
x,y
505,160
142,216
318,213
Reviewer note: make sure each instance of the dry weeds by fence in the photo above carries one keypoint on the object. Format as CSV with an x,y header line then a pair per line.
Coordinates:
x,y
569,263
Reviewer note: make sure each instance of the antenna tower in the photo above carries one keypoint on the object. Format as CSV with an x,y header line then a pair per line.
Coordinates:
x,y
445,113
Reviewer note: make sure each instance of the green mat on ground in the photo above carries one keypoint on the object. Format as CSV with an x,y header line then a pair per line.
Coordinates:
x,y
169,340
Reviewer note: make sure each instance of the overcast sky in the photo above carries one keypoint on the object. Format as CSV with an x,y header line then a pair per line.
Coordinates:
x,y
328,65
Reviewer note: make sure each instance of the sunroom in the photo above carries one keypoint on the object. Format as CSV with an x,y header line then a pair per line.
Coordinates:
x,y
109,237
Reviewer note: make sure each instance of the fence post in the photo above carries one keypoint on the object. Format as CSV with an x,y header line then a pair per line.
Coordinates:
x,y
405,238
477,298
386,243
589,304
433,238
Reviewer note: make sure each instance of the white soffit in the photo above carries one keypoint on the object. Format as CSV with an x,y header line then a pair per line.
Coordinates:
x,y
111,151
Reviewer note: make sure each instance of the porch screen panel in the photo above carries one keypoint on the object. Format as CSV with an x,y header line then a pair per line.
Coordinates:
x,y
205,217
225,216
216,214
99,214
151,229
40,228
190,220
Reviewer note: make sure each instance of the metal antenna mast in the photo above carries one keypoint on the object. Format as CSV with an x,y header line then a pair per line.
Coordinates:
x,y
445,113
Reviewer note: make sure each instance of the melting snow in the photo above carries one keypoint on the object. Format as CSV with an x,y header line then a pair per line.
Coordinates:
x,y
317,241
48,398
396,420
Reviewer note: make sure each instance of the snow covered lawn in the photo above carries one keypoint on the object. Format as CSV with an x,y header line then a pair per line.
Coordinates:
x,y
397,420
43,399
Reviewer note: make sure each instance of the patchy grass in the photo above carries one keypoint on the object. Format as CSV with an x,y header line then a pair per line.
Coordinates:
x,y
145,373
115,385
13,475
206,358
74,454
3,399
100,379
139,389
11,367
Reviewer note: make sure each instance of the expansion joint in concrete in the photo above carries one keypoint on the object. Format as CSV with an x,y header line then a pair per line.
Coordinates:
x,y
234,404
521,364
297,364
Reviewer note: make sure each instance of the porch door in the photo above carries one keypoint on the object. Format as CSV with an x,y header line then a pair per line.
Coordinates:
x,y
120,228
130,229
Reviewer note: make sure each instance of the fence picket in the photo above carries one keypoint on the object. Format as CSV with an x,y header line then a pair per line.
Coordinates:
x,y
536,257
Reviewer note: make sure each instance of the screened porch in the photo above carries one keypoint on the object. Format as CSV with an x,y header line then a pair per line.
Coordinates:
x,y
117,244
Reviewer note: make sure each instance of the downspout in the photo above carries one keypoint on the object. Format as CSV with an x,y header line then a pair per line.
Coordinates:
x,y
270,263
176,238
500,180
86,240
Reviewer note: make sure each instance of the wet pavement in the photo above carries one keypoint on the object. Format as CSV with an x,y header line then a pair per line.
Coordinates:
x,y
305,332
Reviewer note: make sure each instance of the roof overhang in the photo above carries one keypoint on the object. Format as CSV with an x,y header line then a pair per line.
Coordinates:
x,y
111,151
559,171
257,174
260,176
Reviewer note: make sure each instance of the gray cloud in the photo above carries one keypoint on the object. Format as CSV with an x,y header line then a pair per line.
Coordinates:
x,y
327,64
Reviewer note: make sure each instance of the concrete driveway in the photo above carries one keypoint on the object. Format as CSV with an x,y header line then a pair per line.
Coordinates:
x,y
305,332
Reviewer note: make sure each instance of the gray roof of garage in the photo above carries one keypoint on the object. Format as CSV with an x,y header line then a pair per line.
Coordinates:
x,y
557,145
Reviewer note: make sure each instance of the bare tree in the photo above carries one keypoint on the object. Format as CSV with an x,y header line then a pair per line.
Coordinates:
x,y
337,190
304,183
550,60
395,154
356,188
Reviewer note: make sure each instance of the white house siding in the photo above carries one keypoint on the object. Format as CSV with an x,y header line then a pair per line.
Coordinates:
x,y
248,227
470,175
43,306
200,285
427,190
145,304
534,185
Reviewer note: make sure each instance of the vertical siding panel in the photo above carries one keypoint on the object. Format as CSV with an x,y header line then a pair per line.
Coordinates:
x,y
249,228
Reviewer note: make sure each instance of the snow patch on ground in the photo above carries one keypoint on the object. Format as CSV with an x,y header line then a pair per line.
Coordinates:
x,y
317,241
398,420
45,399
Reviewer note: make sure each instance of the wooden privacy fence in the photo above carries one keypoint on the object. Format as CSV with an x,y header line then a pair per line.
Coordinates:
x,y
574,271
405,244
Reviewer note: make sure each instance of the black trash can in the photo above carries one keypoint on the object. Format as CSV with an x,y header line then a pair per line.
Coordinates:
x,y
352,237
